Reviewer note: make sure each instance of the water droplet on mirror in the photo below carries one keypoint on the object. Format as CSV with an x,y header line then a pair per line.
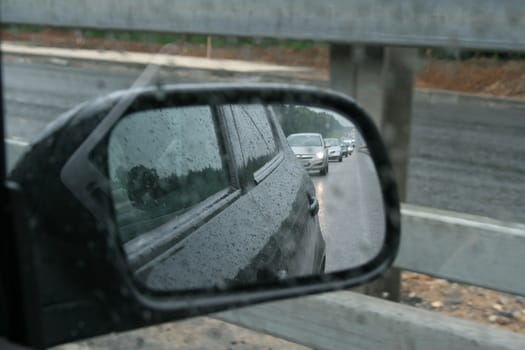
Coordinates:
x,y
33,223
221,284
160,94
147,315
140,341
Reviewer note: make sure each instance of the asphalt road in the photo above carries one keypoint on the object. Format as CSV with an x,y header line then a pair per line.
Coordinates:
x,y
465,156
468,156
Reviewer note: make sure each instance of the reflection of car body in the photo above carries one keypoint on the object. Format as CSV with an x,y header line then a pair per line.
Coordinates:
x,y
310,149
283,238
335,150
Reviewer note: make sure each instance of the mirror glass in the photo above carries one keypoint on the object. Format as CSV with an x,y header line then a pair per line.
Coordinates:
x,y
236,194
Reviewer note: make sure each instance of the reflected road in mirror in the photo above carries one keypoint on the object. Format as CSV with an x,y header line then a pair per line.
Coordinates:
x,y
351,212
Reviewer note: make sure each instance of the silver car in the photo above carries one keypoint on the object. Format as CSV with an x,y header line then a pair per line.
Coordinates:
x,y
310,149
335,150
349,145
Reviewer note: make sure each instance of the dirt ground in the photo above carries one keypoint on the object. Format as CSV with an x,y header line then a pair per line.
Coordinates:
x,y
478,75
490,307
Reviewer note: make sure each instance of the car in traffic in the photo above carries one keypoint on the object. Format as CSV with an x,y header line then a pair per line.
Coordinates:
x,y
344,149
311,150
335,150
350,145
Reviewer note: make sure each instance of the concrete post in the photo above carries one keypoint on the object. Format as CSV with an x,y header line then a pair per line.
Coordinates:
x,y
398,89
357,71
381,81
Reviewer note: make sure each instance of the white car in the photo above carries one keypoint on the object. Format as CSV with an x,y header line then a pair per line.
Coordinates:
x,y
310,149
335,151
350,145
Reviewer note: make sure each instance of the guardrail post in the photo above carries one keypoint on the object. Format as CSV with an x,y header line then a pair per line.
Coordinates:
x,y
357,71
398,88
380,80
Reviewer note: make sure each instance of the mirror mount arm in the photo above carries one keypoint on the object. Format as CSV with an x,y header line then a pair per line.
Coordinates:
x,y
19,291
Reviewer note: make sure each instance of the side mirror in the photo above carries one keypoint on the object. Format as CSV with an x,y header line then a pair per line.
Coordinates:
x,y
183,200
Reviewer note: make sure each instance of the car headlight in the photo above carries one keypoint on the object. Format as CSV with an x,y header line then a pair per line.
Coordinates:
x,y
319,155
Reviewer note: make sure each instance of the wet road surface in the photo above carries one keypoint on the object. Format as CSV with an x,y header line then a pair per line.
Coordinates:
x,y
351,211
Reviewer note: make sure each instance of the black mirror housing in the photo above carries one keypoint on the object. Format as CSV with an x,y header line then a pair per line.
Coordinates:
x,y
85,284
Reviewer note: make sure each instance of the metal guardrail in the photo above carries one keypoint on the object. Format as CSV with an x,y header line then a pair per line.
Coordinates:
x,y
450,245
347,320
481,24
464,248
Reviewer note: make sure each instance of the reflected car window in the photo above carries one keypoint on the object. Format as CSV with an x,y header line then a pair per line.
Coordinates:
x,y
158,175
255,135
331,142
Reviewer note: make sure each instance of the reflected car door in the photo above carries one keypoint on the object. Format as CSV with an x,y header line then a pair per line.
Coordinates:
x,y
226,236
